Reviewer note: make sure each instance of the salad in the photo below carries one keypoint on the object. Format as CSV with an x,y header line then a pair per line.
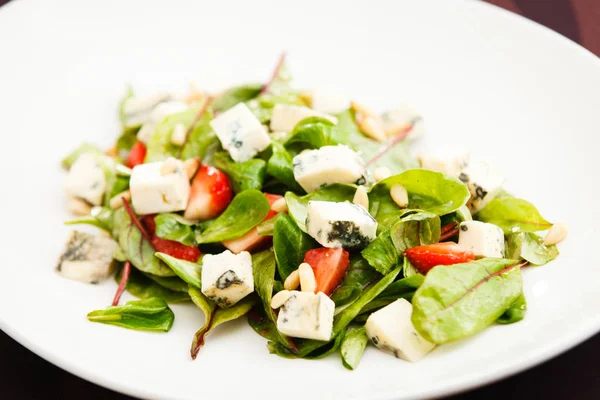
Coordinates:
x,y
304,213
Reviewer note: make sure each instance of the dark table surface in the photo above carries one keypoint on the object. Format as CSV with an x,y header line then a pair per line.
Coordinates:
x,y
573,375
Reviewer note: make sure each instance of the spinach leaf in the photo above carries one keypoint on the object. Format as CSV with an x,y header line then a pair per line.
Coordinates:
x,y
173,283
74,155
151,314
135,248
459,300
515,313
235,95
427,190
243,176
143,287
202,141
358,276
314,133
385,252
402,289
513,215
247,210
174,227
530,247
353,346
280,167
126,141
159,147
101,218
188,271
297,206
290,245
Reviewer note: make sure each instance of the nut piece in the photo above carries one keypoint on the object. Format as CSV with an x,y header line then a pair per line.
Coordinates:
x,y
169,166
292,281
382,173
178,135
279,206
112,151
399,195
196,95
361,198
79,207
308,282
369,123
556,234
280,298
191,167
117,201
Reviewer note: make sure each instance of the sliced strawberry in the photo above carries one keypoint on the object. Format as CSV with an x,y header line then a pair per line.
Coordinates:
x,y
136,155
210,194
170,247
423,258
252,240
329,266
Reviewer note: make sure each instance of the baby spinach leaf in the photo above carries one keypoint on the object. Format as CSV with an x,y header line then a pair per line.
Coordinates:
x,y
126,141
243,176
513,215
314,133
174,227
173,283
530,247
297,206
385,252
403,289
74,155
101,218
247,210
353,346
159,147
235,95
460,300
515,313
280,167
188,271
427,190
358,276
290,245
151,314
202,141
142,286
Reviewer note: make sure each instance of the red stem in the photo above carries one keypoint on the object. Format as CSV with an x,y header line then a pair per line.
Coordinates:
x,y
137,222
266,86
391,143
448,235
449,227
199,338
122,283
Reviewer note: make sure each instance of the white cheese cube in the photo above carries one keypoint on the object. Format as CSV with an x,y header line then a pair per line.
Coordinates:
x,y
329,164
484,182
137,110
344,224
240,133
307,315
400,118
447,161
227,277
286,117
483,239
328,103
86,179
391,330
158,114
154,189
87,258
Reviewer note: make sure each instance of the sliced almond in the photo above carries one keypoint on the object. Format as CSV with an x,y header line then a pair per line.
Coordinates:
x,y
117,201
79,207
280,298
191,167
361,197
399,195
556,234
292,281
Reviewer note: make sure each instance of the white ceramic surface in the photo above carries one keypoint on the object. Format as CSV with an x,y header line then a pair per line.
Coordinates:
x,y
499,84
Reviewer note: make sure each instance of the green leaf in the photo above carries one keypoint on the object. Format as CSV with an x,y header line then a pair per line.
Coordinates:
x,y
513,215
135,247
173,283
247,210
202,141
139,285
290,245
74,155
427,190
460,300
515,313
235,95
385,252
280,167
314,133
530,247
151,314
174,227
126,141
358,276
101,218
188,271
159,147
128,94
353,346
297,206
402,289
243,176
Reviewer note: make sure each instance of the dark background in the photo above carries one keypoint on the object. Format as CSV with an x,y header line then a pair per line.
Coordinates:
x,y
574,375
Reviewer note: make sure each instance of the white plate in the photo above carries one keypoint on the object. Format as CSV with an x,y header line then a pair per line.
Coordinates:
x,y
482,77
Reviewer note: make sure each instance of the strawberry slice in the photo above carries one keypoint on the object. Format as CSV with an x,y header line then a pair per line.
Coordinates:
x,y
423,258
136,155
329,266
210,194
170,247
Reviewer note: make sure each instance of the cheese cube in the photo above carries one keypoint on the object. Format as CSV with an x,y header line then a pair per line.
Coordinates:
x,y
447,161
329,103
400,118
137,110
86,179
314,169
307,315
158,114
240,133
227,277
344,224
483,239
391,330
286,117
484,182
87,258
154,189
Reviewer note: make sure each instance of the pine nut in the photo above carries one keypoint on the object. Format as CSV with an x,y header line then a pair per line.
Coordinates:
x,y
79,207
196,95
361,197
556,234
307,278
362,109
178,135
117,201
292,281
169,166
279,206
371,126
112,151
399,195
280,298
382,173
191,167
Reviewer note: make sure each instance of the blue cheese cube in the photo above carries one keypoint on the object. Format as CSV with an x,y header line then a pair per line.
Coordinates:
x,y
86,179
447,161
286,116
87,258
314,169
484,182
483,239
158,114
227,277
344,224
307,315
159,187
240,133
391,330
